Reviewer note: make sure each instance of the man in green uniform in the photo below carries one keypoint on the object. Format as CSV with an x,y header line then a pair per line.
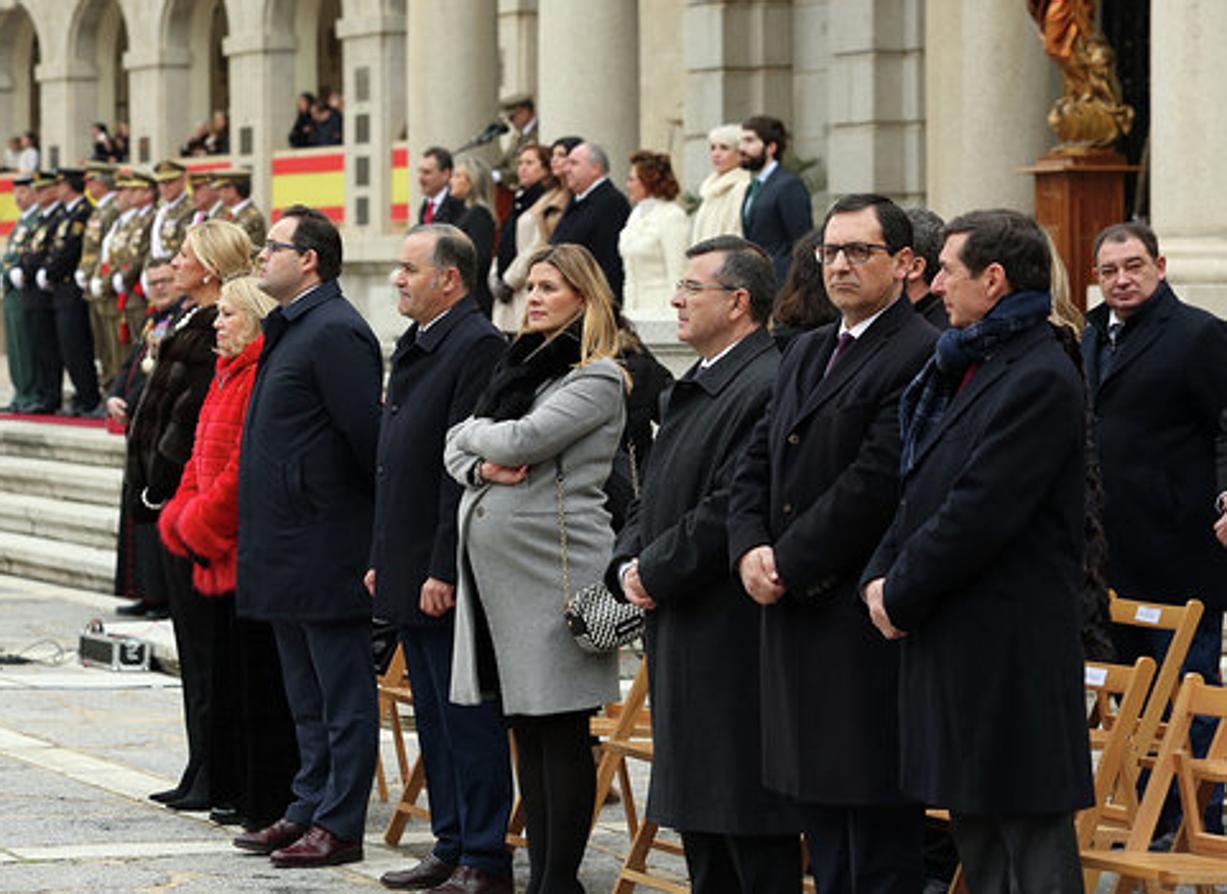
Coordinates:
x,y
16,337
127,259
234,189
104,327
173,213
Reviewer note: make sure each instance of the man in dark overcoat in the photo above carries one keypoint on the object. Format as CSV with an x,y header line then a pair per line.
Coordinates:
x,y
1157,370
671,558
439,367
979,574
815,489
596,214
306,494
776,210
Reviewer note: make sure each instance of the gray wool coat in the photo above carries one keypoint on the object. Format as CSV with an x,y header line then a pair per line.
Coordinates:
x,y
509,552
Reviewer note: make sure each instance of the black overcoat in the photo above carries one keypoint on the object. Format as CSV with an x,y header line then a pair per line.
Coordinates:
x,y
433,384
307,464
1157,429
983,568
779,215
819,482
701,641
595,223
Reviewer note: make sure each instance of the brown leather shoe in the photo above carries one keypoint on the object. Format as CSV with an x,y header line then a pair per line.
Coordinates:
x,y
470,880
318,847
427,874
267,840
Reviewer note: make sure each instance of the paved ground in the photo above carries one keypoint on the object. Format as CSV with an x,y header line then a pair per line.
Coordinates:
x,y
81,748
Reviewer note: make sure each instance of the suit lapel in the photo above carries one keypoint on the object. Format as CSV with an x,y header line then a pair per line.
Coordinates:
x,y
1135,343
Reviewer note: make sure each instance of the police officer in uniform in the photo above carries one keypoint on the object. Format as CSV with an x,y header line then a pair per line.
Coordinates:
x,y
16,335
61,257
234,189
104,328
37,299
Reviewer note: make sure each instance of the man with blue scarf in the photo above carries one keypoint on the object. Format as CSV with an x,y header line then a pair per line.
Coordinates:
x,y
979,573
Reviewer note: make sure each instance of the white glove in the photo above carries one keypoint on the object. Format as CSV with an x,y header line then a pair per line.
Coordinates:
x,y
95,286
117,283
144,283
17,278
40,279
78,277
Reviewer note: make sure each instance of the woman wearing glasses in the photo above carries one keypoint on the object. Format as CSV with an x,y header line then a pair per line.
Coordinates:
x,y
543,433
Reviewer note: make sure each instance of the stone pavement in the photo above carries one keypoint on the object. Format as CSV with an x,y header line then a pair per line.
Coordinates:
x,y
81,748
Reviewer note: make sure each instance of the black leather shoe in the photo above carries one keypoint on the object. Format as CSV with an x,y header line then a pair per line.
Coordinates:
x,y
189,802
225,816
157,612
427,874
135,609
170,794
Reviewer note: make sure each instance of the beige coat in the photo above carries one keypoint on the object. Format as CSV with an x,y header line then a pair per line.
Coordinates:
x,y
720,213
653,248
533,230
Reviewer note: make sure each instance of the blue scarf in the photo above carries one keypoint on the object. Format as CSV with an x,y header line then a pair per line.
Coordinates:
x,y
927,398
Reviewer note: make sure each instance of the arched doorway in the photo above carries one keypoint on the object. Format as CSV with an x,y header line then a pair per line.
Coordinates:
x,y
19,56
317,61
195,30
98,37
112,43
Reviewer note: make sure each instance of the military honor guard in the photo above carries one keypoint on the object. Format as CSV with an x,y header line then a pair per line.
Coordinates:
x,y
103,324
234,189
205,202
16,335
36,299
129,253
174,211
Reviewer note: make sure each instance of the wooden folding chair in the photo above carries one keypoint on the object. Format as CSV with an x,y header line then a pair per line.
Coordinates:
x,y
393,691
1197,857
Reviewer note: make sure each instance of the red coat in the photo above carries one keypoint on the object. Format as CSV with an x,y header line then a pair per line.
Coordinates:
x,y
202,519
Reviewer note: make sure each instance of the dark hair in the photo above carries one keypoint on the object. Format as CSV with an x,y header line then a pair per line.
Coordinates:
x,y
315,232
803,302
926,239
568,143
769,130
1004,237
159,261
440,155
242,186
896,228
452,248
656,174
543,156
1122,232
745,266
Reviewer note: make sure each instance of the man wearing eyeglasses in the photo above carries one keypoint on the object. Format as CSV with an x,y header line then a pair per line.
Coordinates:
x,y
306,502
1157,369
814,491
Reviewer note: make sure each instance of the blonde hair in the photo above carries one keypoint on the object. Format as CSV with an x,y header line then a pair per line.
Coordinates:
x,y
725,135
243,296
1064,312
221,247
582,273
481,182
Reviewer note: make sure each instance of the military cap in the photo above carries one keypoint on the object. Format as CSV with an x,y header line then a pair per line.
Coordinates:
x,y
135,179
167,170
198,177
23,180
46,178
515,100
99,167
75,177
229,178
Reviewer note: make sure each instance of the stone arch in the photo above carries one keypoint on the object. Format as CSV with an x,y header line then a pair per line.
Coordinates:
x,y
98,38
317,55
194,31
20,53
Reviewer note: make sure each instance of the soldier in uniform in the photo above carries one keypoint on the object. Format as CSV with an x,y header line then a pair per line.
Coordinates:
x,y
234,189
174,210
520,112
128,255
16,335
102,294
205,201
104,328
37,299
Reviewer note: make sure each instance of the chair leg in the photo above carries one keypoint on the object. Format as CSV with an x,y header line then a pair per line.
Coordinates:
x,y
628,799
637,858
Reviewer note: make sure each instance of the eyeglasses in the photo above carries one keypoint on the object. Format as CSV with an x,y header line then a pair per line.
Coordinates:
x,y
272,246
854,252
690,287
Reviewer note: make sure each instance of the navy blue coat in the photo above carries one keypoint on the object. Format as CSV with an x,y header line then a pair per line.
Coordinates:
x,y
307,464
595,223
433,385
1157,430
983,569
779,215
819,481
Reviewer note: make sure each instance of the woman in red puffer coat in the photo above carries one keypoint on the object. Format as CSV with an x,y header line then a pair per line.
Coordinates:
x,y
253,730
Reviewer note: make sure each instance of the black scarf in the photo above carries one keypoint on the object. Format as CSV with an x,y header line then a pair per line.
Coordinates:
x,y
532,360
926,399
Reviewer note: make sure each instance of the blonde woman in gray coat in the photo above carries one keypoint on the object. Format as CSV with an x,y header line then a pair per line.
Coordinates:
x,y
555,404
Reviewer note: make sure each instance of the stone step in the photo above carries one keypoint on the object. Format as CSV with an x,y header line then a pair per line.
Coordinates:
x,y
99,485
86,524
85,567
66,443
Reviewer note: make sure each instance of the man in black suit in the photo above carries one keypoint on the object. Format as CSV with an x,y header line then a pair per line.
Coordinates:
x,y
434,177
926,246
306,482
776,210
814,490
596,214
1158,374
439,367
671,558
979,574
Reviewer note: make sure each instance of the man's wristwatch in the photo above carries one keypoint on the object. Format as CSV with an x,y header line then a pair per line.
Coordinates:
x,y
1220,503
475,478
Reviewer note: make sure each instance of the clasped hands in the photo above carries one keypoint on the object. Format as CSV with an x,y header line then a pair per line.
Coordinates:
x,y
874,595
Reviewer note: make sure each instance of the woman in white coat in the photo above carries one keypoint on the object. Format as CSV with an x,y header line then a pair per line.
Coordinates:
x,y
725,187
553,412
654,241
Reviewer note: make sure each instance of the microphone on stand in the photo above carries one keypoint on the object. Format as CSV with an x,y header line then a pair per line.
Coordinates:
x,y
493,130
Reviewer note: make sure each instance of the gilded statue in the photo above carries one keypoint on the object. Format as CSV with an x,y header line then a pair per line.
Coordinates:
x,y
1089,112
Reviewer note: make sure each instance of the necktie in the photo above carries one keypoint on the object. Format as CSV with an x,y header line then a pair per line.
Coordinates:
x,y
755,186
845,339
430,212
1108,357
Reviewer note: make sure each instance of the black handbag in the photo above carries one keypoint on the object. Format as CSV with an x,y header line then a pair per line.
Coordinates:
x,y
598,621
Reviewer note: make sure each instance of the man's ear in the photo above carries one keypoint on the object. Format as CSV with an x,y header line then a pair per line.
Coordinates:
x,y
916,269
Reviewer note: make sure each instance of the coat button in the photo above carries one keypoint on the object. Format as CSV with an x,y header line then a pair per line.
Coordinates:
x,y
794,439
481,512
379,469
788,508
393,408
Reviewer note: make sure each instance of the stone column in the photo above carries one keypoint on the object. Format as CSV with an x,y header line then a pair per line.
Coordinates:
x,y
68,98
594,44
159,83
1188,130
452,77
374,78
517,46
738,58
261,101
877,98
988,86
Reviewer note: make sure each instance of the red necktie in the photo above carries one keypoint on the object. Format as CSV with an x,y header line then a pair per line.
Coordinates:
x,y
430,211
